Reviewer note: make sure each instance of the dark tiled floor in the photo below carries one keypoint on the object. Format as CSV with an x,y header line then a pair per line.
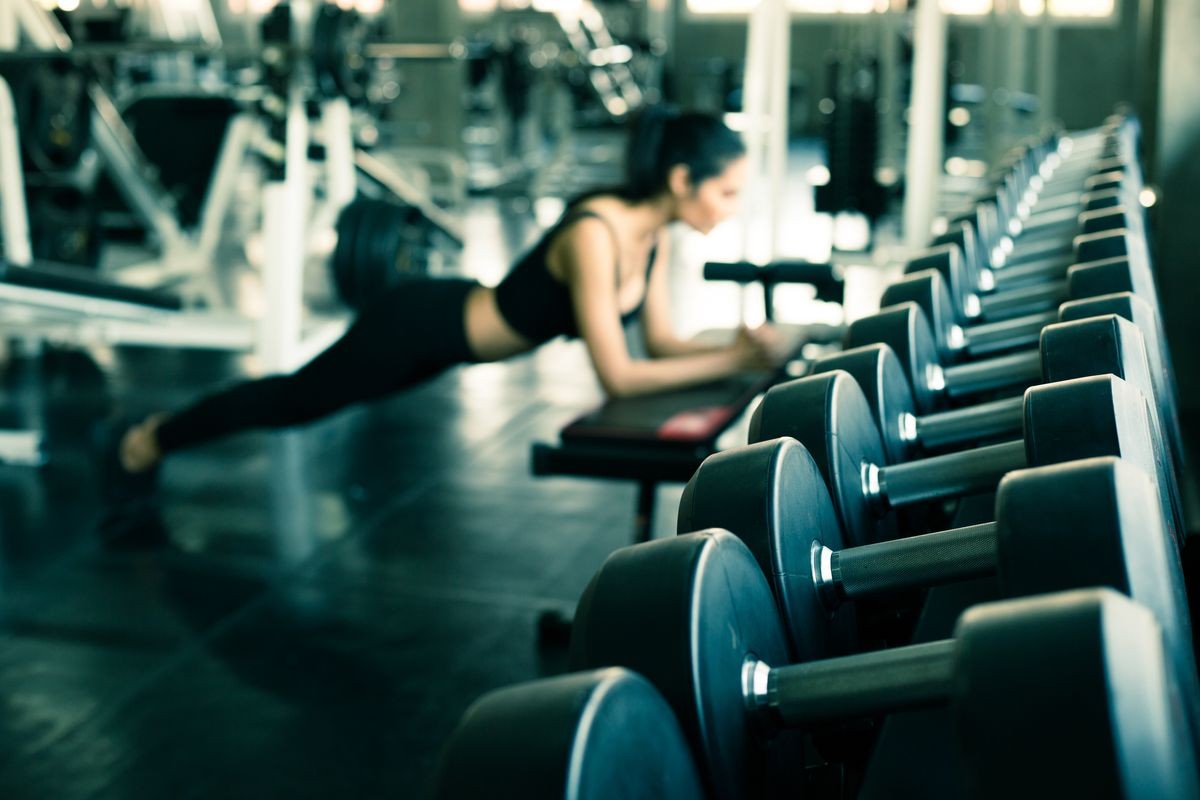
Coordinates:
x,y
331,599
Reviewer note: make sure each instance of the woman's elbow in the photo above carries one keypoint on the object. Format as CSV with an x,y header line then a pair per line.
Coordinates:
x,y
615,384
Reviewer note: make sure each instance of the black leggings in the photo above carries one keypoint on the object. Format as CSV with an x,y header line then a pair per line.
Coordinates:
x,y
410,334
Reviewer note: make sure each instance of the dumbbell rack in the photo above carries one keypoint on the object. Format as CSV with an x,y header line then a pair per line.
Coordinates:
x,y
1024,696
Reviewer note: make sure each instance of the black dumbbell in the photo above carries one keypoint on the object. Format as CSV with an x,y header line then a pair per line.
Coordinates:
x,y
1021,289
587,736
1064,421
1107,345
1074,525
694,615
1067,350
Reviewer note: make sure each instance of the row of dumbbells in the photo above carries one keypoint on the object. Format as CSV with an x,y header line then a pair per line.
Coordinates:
x,y
738,658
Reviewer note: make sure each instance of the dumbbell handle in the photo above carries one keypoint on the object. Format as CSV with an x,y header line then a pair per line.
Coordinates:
x,y
916,561
973,423
940,477
1018,369
916,676
999,305
985,339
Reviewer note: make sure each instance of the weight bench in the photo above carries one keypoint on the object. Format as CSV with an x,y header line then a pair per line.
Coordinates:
x,y
653,439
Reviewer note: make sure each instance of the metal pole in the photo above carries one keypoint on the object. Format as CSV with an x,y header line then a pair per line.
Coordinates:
x,y
14,216
1047,72
284,227
777,145
923,165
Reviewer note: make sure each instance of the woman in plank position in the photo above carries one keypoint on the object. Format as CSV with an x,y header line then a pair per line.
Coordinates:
x,y
604,262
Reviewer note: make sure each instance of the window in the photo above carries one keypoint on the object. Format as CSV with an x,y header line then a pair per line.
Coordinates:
x,y
1094,9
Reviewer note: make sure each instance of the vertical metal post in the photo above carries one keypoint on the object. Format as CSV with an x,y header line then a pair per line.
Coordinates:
x,y
14,216
285,222
339,153
754,110
1047,67
889,91
1016,57
923,166
777,144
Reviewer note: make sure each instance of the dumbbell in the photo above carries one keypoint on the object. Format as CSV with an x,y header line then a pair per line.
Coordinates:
x,y
1038,258
1093,346
985,297
1040,306
693,614
1064,421
587,736
1074,525
1067,350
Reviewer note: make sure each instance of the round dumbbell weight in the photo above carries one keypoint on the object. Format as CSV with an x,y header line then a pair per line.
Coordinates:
x,y
694,615
588,736
1083,523
378,242
1065,421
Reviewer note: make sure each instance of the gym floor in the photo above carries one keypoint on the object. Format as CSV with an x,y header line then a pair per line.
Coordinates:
x,y
330,599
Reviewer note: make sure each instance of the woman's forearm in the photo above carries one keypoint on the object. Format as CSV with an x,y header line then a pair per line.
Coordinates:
x,y
675,348
646,376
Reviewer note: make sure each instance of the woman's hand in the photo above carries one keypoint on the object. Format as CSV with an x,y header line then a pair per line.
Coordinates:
x,y
763,347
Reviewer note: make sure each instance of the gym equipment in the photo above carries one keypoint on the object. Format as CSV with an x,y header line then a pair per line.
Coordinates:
x,y
1065,421
827,279
54,114
1068,526
63,225
342,46
587,736
694,615
652,439
378,243
1103,345
1067,350
972,298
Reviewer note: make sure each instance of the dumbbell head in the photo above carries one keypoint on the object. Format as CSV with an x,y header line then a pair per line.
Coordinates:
x,y
879,374
830,416
586,736
772,496
904,328
927,288
961,303
1092,660
1093,522
692,609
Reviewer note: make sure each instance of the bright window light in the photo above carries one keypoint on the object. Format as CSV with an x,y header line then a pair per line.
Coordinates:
x,y
1033,8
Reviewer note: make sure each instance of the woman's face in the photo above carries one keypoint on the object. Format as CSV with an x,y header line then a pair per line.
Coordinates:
x,y
705,205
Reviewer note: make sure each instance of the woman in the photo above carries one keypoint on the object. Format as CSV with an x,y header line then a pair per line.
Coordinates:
x,y
601,264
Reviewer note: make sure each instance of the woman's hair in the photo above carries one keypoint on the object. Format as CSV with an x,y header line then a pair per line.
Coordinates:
x,y
663,138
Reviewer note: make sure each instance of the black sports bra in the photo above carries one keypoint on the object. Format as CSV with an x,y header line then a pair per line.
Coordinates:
x,y
535,303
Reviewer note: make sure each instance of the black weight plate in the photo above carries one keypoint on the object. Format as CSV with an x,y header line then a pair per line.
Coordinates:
x,y
771,495
927,289
688,613
878,372
1092,663
905,329
829,415
587,736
